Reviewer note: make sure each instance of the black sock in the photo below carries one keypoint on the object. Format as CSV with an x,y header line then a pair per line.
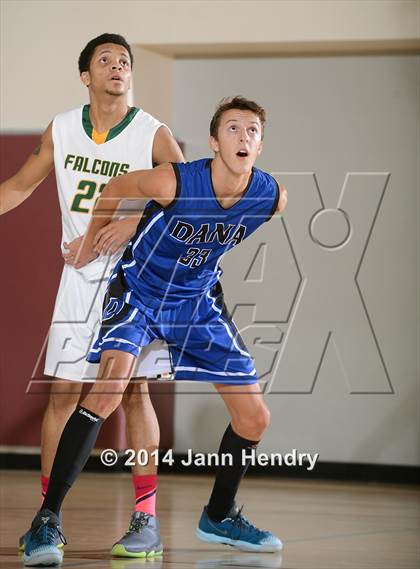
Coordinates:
x,y
228,478
76,443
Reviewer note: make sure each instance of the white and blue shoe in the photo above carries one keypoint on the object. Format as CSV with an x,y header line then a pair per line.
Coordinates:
x,y
41,543
24,538
237,531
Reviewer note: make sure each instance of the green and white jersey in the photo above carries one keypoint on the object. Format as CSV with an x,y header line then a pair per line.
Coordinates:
x,y
86,160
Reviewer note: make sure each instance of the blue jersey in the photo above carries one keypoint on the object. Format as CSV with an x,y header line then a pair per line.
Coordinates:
x,y
177,249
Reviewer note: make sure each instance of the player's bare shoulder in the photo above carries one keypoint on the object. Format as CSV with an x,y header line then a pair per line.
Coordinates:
x,y
282,203
46,144
161,184
41,161
165,147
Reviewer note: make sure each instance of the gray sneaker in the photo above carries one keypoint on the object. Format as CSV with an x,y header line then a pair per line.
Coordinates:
x,y
142,538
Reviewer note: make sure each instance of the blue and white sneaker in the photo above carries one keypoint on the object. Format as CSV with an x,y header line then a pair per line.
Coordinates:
x,y
24,538
237,531
40,545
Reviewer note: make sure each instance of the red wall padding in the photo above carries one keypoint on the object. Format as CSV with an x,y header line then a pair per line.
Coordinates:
x,y
31,265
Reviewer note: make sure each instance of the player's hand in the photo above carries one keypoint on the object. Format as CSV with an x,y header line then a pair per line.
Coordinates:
x,y
79,253
115,235
282,200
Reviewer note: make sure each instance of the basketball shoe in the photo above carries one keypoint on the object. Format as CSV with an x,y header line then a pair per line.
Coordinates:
x,y
136,563
237,531
40,545
24,538
142,538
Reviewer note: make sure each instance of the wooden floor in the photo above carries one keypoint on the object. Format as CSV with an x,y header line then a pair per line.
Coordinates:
x,y
323,525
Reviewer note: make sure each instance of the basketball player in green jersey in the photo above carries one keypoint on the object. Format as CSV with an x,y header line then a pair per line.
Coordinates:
x,y
87,146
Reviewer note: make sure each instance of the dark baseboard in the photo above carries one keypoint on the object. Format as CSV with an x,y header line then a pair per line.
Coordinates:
x,y
387,473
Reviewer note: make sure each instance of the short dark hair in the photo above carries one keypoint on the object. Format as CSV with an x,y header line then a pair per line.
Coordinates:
x,y
237,102
87,52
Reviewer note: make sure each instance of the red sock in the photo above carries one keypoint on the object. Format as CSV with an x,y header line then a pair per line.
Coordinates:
x,y
145,488
44,486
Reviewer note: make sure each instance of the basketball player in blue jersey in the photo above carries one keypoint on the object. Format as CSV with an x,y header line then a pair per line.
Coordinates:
x,y
87,146
166,286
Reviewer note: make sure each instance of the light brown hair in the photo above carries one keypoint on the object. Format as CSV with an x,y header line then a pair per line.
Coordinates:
x,y
237,102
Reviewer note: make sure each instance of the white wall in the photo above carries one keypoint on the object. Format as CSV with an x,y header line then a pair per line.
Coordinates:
x,y
330,116
41,40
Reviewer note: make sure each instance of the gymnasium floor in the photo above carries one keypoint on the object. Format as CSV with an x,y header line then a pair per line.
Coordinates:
x,y
323,525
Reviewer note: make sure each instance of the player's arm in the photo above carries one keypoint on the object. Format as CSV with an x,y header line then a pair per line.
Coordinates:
x,y
282,203
117,233
16,189
165,147
158,184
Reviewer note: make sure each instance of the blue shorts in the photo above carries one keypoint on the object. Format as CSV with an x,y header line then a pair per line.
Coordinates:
x,y
204,343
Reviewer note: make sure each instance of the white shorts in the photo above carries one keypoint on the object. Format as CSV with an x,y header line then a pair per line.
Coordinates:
x,y
75,323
